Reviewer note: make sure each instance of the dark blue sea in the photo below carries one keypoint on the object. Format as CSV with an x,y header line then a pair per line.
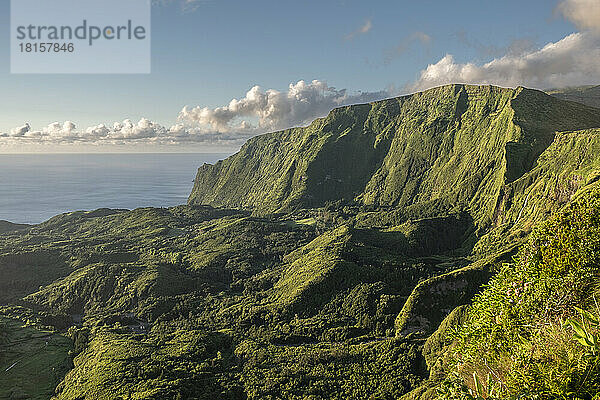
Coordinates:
x,y
35,187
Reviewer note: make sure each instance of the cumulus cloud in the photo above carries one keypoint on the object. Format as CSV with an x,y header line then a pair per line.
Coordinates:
x,y
20,131
572,61
365,28
585,14
56,129
263,110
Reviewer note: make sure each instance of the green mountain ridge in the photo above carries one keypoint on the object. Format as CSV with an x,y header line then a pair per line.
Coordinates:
x,y
451,147
588,95
354,258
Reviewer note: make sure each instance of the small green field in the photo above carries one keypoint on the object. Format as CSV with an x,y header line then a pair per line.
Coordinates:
x,y
33,360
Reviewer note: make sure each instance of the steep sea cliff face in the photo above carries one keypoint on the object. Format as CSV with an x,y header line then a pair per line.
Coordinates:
x,y
452,148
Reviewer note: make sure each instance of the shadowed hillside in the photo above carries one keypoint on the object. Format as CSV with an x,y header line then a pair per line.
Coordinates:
x,y
588,95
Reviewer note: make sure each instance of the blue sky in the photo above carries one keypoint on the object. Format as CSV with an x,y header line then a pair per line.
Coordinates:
x,y
219,50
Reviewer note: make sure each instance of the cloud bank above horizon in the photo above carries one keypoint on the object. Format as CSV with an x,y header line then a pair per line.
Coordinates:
x,y
571,61
259,111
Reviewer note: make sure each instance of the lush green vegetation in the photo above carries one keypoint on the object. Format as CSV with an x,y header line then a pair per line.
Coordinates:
x,y
6,226
33,357
345,269
533,331
588,95
195,302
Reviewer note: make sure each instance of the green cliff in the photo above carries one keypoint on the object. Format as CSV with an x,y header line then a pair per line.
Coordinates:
x,y
456,147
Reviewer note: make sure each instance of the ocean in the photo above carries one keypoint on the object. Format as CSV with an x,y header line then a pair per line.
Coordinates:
x,y
35,187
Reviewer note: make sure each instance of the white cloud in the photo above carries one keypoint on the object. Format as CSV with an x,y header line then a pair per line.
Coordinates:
x,y
573,60
585,14
273,110
56,129
126,132
365,28
20,131
142,130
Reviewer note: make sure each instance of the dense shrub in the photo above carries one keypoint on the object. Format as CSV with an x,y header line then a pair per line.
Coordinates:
x,y
524,336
